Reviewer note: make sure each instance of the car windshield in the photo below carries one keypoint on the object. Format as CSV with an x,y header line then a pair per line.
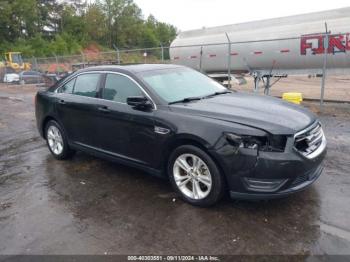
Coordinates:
x,y
179,84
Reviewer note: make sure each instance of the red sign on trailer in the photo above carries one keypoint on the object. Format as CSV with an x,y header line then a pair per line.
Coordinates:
x,y
339,43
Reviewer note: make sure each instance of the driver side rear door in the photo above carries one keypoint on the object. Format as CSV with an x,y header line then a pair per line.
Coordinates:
x,y
77,108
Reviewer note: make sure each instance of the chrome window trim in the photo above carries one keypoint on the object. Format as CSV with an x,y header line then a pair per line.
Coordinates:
x,y
320,149
109,72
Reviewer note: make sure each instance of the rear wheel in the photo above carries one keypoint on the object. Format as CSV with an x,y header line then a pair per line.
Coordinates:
x,y
57,141
195,176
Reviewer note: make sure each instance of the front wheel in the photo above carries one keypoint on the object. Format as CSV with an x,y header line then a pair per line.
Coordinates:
x,y
195,176
57,141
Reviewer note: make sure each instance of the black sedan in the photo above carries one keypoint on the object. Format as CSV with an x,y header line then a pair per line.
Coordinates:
x,y
175,122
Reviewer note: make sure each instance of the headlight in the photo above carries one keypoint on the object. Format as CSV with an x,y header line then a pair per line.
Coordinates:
x,y
261,143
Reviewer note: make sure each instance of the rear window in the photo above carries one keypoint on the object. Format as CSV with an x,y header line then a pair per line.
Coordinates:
x,y
86,85
68,87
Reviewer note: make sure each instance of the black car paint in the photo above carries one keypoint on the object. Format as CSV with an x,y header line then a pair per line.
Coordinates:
x,y
127,135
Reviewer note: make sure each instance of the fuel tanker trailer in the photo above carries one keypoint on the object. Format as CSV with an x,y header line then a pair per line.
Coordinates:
x,y
300,44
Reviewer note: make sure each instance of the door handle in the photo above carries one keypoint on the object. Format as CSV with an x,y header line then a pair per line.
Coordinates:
x,y
104,109
62,102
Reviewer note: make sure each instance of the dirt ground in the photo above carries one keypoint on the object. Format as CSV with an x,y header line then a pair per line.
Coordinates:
x,y
91,206
337,88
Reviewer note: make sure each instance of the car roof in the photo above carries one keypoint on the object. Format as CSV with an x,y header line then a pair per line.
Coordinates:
x,y
131,68
30,72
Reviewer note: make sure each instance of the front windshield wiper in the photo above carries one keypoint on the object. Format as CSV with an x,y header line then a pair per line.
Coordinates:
x,y
218,93
189,99
186,100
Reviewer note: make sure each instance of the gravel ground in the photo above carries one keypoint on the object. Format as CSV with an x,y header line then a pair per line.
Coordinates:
x,y
336,89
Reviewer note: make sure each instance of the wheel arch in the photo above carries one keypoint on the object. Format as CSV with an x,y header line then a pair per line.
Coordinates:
x,y
191,140
44,124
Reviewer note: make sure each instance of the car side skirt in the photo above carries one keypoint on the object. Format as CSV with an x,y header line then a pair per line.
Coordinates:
x,y
116,158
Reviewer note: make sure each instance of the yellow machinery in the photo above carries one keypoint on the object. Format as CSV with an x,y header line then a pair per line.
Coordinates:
x,y
14,61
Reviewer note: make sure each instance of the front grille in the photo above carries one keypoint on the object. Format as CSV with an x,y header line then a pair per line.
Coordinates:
x,y
310,140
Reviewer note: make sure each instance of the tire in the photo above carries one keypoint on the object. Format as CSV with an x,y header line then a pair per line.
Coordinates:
x,y
204,179
57,141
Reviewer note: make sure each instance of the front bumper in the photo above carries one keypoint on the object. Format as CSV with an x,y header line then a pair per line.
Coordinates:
x,y
310,178
292,168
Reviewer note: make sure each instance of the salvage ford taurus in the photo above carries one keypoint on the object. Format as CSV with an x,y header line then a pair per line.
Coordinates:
x,y
175,122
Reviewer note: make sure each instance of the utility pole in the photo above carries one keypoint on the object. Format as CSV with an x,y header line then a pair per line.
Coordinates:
x,y
324,70
201,59
229,61
118,53
162,47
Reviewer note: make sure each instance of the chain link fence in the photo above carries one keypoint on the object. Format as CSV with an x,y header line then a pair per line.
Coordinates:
x,y
234,63
50,69
65,64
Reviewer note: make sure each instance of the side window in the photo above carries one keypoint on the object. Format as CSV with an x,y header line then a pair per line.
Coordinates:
x,y
67,88
118,88
86,85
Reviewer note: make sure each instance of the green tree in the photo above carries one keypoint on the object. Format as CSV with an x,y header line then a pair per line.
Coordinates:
x,y
6,30
18,19
129,27
49,16
59,46
44,27
95,22
71,23
39,46
115,10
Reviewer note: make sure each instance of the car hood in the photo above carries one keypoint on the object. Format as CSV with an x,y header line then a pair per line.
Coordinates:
x,y
267,113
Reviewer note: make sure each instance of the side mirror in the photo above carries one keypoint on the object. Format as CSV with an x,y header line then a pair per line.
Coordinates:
x,y
139,102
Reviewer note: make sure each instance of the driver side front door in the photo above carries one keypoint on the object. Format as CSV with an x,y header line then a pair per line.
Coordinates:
x,y
125,132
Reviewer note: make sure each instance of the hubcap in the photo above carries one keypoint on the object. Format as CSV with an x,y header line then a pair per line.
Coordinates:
x,y
192,176
54,139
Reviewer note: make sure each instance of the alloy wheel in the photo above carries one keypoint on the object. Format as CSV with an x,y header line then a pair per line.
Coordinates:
x,y
192,176
55,140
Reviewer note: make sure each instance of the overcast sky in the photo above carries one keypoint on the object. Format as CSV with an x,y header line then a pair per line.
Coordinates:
x,y
193,14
